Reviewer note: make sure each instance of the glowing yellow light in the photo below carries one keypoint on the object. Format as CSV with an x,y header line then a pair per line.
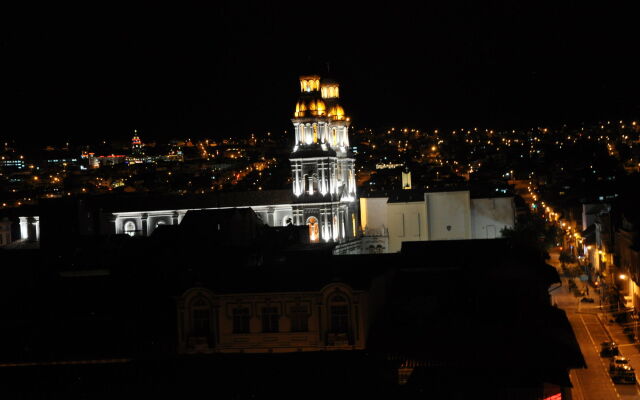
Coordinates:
x,y
622,276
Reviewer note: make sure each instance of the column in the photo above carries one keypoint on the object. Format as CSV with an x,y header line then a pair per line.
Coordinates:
x,y
271,216
111,224
143,219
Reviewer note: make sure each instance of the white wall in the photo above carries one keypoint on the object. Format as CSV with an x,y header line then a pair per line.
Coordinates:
x,y
449,215
490,215
406,222
373,215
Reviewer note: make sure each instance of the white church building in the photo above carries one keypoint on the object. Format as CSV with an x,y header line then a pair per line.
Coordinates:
x,y
323,195
405,216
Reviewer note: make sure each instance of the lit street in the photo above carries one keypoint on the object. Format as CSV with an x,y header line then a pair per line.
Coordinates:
x,y
593,382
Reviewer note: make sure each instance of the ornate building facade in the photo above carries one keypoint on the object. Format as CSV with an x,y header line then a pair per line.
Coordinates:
x,y
335,317
322,167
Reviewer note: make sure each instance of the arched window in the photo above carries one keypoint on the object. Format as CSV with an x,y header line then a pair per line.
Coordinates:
x,y
339,314
314,229
315,133
159,223
287,220
200,317
334,137
310,187
130,228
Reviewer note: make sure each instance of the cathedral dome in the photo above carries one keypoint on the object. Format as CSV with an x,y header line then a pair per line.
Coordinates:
x,y
329,89
301,108
310,107
337,112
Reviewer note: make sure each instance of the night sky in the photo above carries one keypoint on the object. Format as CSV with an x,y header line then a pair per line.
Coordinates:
x,y
231,68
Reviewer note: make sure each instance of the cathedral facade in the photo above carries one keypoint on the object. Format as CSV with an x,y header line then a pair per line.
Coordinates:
x,y
323,194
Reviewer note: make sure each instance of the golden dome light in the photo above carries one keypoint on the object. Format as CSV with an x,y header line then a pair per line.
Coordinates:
x,y
337,112
330,90
320,108
309,83
301,108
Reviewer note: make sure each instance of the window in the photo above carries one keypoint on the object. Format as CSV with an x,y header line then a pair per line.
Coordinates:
x,y
314,230
299,319
270,319
310,185
130,228
241,318
200,317
201,322
339,313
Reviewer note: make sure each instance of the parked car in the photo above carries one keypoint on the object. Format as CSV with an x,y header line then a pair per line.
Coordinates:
x,y
624,374
609,349
587,300
617,362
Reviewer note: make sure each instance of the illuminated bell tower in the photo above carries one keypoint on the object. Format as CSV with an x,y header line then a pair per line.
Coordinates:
x,y
136,144
323,168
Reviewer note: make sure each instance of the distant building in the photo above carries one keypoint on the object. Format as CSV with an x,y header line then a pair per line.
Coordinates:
x,y
333,317
420,216
7,164
137,152
110,160
406,179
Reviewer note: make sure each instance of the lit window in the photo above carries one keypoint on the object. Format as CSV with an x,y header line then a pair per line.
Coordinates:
x,y
313,229
130,228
